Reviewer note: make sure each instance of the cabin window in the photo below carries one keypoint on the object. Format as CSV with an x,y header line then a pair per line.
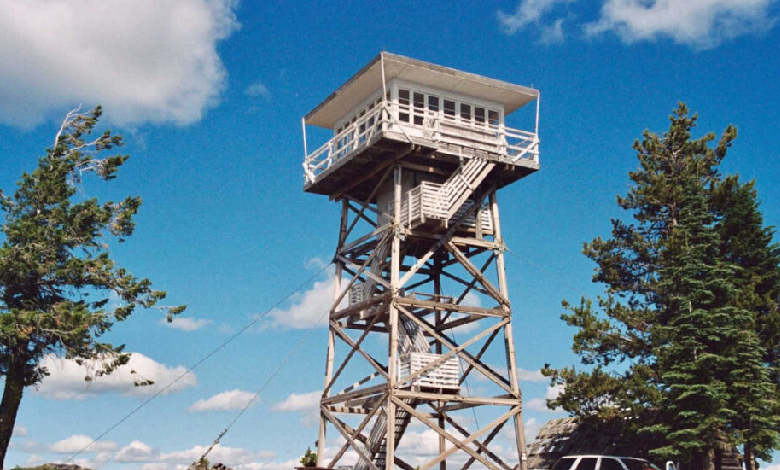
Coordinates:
x,y
433,103
403,101
449,108
465,112
493,117
479,115
362,127
419,108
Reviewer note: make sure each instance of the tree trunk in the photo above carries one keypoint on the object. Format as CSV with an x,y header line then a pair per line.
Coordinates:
x,y
12,397
749,457
708,460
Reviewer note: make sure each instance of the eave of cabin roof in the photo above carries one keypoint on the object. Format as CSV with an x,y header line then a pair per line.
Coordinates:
x,y
369,79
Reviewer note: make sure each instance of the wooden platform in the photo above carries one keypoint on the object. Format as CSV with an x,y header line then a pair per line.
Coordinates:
x,y
357,173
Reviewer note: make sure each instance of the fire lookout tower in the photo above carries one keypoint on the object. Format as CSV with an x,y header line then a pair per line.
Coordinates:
x,y
420,325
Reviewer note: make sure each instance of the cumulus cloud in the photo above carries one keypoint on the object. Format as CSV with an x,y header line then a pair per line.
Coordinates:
x,y
270,465
225,401
145,61
531,427
66,379
187,323
156,466
528,12
232,457
540,404
530,375
420,443
136,452
19,431
308,309
299,402
702,24
34,461
552,34
80,442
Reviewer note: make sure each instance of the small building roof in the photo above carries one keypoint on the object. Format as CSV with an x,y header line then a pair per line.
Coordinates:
x,y
369,79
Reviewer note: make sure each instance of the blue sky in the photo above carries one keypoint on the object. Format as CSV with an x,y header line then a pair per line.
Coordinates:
x,y
209,95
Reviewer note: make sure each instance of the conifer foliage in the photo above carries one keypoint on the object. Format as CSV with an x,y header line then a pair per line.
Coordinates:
x,y
683,345
60,291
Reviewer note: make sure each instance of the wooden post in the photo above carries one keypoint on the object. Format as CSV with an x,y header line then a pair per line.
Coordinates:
x,y
392,366
509,343
331,334
438,320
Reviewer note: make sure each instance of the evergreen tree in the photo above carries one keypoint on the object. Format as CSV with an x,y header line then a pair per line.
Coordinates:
x,y
711,363
56,276
669,346
746,243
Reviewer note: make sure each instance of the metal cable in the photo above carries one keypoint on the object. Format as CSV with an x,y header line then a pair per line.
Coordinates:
x,y
201,361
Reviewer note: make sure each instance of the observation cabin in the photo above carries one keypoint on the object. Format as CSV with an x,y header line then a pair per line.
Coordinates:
x,y
433,121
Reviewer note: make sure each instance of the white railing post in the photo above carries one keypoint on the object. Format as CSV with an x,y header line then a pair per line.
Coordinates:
x,y
303,127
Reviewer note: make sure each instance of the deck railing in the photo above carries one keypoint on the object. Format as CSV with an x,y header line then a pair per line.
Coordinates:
x,y
446,130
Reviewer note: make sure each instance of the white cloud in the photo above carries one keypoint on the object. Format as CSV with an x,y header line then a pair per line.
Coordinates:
x,y
299,402
552,34
702,24
34,461
257,89
147,60
269,465
66,379
528,12
420,443
79,443
230,456
19,431
225,401
540,404
531,427
187,323
308,309
530,375
156,466
136,452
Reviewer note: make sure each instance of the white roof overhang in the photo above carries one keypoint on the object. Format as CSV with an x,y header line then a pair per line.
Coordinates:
x,y
369,79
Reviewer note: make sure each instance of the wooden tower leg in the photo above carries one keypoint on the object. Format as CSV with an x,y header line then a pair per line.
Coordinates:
x,y
508,337
331,335
392,323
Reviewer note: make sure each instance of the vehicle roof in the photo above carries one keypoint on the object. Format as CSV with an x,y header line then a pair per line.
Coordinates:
x,y
576,456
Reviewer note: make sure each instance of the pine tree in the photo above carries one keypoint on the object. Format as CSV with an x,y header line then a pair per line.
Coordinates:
x,y
711,363
669,346
749,245
56,274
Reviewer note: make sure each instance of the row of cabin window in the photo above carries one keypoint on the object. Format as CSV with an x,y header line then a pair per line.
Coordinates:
x,y
419,102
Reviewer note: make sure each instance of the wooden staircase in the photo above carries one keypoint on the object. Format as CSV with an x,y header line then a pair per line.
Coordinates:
x,y
461,184
441,202
410,339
